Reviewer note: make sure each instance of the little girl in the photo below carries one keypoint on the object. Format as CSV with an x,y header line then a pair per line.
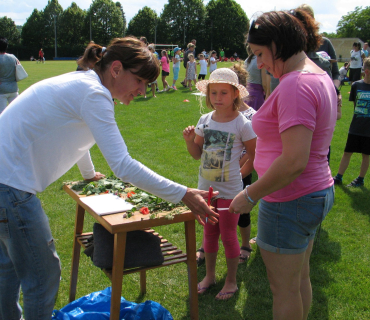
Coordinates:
x,y
218,140
191,71
203,67
213,61
165,62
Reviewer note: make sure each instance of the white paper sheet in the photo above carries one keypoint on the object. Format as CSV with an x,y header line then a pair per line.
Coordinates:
x,y
107,204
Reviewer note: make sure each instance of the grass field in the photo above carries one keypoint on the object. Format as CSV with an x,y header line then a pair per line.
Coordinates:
x,y
152,129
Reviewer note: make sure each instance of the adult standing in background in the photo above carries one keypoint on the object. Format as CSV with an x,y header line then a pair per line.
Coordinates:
x,y
326,46
8,85
365,49
356,62
41,55
190,49
222,55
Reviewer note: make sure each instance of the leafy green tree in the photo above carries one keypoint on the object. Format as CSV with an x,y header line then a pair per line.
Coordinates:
x,y
227,24
355,24
51,15
70,31
143,24
118,5
33,33
9,30
106,21
182,20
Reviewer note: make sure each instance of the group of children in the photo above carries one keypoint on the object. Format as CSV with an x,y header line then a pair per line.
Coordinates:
x,y
190,65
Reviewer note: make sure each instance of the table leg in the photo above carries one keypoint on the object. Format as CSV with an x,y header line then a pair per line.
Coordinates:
x,y
117,274
192,268
79,223
142,282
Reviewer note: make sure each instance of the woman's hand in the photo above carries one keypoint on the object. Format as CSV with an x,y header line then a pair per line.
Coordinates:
x,y
240,204
97,177
189,134
194,199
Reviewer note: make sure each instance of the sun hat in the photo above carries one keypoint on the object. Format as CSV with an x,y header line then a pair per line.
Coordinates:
x,y
222,75
176,49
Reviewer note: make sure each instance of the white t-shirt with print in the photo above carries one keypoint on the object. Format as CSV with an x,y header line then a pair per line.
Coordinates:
x,y
223,144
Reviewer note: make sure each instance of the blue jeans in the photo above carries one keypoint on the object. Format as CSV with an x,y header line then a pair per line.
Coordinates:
x,y
27,257
288,227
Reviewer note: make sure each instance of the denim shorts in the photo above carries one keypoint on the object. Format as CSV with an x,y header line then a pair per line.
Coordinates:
x,y
288,227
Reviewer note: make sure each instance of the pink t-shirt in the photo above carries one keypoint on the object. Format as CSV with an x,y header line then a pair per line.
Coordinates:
x,y
165,64
301,98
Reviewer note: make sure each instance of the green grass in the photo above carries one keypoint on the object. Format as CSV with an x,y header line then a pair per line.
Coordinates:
x,y
152,129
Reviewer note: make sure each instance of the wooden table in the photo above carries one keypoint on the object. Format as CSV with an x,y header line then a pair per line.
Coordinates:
x,y
119,226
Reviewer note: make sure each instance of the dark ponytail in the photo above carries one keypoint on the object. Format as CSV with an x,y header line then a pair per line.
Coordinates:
x,y
131,52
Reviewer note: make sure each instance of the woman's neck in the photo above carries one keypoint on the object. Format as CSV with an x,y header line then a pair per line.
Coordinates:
x,y
294,63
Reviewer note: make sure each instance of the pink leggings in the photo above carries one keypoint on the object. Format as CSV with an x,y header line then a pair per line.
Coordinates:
x,y
226,226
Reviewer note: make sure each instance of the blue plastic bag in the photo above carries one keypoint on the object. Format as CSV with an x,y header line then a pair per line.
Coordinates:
x,y
96,306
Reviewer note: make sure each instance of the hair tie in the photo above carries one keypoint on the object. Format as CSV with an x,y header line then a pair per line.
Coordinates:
x,y
103,49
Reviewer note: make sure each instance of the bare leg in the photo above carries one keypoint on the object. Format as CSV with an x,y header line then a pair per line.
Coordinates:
x,y
210,277
344,162
153,90
245,233
284,274
306,289
230,282
364,165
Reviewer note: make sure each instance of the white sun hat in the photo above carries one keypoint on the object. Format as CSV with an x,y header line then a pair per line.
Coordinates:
x,y
222,75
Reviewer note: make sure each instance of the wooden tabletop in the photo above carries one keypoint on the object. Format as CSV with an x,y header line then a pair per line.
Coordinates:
x,y
115,223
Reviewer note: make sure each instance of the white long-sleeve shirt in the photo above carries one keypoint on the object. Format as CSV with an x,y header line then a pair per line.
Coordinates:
x,y
53,124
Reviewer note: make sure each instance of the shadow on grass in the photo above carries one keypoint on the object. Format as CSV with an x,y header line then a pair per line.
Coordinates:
x,y
359,198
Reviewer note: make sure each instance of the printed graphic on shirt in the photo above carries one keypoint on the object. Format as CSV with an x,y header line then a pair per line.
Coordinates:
x,y
216,155
362,108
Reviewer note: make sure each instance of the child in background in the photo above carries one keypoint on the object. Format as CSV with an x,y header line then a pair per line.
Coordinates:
x,y
165,62
213,61
191,71
176,67
218,141
203,67
153,84
358,140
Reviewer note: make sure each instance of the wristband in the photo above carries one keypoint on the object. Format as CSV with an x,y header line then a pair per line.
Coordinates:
x,y
248,198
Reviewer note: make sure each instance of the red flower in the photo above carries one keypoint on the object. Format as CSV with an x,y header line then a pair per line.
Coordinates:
x,y
144,210
130,194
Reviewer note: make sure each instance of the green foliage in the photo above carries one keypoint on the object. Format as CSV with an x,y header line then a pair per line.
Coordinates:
x,y
106,21
9,30
143,24
33,35
228,24
355,24
70,25
183,20
51,17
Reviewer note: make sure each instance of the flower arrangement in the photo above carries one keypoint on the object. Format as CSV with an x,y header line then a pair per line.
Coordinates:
x,y
143,202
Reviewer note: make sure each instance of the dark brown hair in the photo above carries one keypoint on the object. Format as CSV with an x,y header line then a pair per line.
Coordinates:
x,y
281,28
312,27
131,52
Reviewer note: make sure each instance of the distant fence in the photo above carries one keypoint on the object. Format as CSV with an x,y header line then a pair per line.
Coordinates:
x,y
65,58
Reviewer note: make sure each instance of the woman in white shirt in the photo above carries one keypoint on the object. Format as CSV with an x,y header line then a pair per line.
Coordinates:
x,y
43,133
356,62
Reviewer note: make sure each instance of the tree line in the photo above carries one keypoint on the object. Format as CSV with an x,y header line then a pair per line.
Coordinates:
x,y
219,24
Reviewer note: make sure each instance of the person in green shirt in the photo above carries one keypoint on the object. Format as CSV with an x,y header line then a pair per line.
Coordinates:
x,y
222,54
